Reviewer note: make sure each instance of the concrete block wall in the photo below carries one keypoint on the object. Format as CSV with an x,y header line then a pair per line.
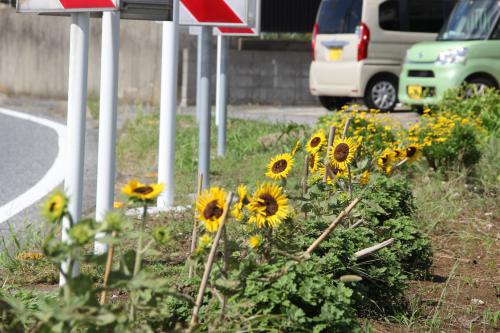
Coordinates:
x,y
34,61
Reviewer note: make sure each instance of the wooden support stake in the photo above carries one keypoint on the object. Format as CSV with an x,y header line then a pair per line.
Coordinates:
x,y
372,249
107,271
331,137
195,225
306,176
346,127
332,226
209,264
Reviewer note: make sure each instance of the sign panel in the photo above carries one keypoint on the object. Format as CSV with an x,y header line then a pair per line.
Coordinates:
x,y
227,13
56,6
253,29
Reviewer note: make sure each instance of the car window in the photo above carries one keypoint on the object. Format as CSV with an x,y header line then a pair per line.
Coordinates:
x,y
414,16
339,16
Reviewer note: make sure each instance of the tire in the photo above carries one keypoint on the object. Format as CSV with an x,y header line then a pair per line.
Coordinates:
x,y
480,84
382,93
332,103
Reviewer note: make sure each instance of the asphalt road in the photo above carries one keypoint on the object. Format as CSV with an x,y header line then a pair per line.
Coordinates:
x,y
28,150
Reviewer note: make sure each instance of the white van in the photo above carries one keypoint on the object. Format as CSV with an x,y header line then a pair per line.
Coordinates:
x,y
359,47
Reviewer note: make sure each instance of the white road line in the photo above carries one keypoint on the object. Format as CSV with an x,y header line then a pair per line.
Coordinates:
x,y
53,177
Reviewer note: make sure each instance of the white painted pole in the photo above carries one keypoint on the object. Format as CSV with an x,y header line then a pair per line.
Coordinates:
x,y
205,106
77,107
107,119
168,107
198,73
185,77
221,97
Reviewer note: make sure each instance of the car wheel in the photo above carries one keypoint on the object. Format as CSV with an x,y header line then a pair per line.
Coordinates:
x,y
382,93
332,103
478,86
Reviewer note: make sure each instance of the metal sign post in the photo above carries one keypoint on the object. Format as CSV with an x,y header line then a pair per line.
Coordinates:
x,y
221,93
107,119
205,106
168,107
77,107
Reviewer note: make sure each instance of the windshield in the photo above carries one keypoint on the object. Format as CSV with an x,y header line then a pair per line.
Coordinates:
x,y
471,20
339,16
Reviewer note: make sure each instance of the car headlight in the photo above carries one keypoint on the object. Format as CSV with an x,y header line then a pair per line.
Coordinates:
x,y
453,56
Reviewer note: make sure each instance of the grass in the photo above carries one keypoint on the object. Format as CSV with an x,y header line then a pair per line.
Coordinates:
x,y
137,152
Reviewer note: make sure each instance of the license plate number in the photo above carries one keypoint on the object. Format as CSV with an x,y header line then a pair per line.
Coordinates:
x,y
335,54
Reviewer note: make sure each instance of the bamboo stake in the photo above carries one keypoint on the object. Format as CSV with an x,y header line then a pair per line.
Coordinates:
x,y
209,264
346,127
107,271
344,134
306,176
356,224
372,249
195,225
331,137
332,226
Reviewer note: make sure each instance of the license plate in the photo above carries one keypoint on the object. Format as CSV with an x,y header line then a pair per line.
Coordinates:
x,y
414,92
335,54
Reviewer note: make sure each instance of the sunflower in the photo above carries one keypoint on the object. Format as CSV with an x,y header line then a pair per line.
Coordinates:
x,y
297,147
413,152
269,206
255,241
210,206
316,142
243,201
56,207
204,242
398,153
314,162
342,153
364,178
333,174
280,166
117,205
142,192
385,160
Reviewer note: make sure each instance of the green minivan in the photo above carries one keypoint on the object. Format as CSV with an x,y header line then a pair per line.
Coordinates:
x,y
467,50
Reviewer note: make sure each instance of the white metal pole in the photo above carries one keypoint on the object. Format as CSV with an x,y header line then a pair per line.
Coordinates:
x,y
168,107
198,73
222,89
107,119
205,106
77,106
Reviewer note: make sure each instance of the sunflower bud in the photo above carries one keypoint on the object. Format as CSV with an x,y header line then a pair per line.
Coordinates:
x,y
161,235
82,233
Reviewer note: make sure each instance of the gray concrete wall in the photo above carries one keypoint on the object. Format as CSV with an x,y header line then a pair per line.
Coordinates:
x,y
34,61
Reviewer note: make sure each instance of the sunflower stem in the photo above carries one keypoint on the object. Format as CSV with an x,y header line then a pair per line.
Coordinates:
x,y
331,136
138,256
195,227
350,181
209,264
107,271
304,182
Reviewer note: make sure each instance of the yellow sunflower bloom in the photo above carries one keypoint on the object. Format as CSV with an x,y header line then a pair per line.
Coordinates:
x,y
255,241
385,161
280,166
210,206
334,173
269,206
243,201
342,153
297,147
413,152
399,153
138,191
364,178
55,208
316,142
314,162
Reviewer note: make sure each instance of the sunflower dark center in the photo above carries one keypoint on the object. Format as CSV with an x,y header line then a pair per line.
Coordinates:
x,y
397,153
212,211
279,166
341,152
411,151
245,201
52,206
270,204
143,190
315,142
384,160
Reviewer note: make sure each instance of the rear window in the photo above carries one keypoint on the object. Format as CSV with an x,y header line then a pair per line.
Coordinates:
x,y
414,16
339,16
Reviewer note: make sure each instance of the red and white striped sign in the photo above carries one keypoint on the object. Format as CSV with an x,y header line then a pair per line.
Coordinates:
x,y
253,30
54,6
227,13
